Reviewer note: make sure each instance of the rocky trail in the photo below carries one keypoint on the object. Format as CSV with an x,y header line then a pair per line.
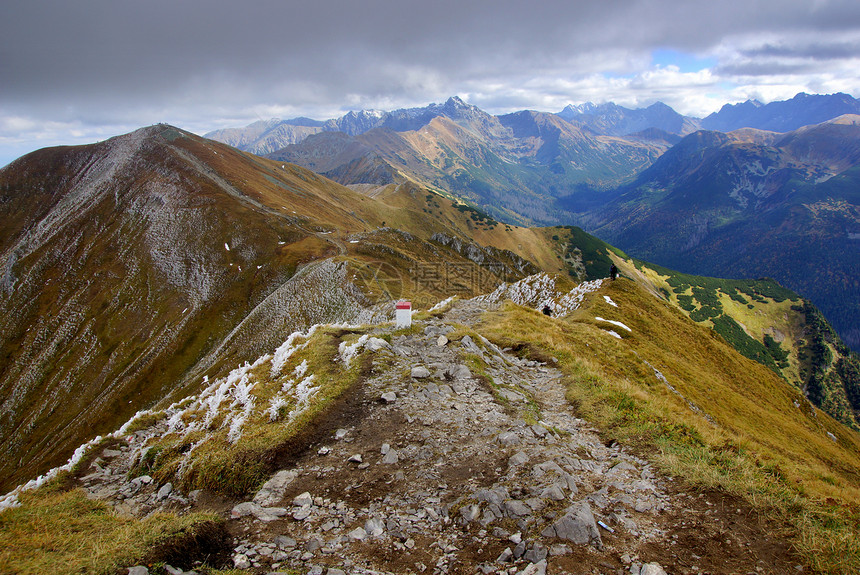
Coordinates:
x,y
459,457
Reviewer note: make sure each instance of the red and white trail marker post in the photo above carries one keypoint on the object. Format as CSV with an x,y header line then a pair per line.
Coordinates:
x,y
404,314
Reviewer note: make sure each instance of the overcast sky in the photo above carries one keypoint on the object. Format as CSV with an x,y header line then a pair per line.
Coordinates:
x,y
81,71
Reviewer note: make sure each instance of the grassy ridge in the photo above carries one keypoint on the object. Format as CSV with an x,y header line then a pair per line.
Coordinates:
x,y
57,531
766,443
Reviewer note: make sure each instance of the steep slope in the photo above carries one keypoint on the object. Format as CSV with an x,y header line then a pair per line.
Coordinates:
x,y
751,205
134,267
768,324
123,262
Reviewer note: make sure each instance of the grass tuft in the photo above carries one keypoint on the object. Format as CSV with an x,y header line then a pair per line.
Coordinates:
x,y
64,532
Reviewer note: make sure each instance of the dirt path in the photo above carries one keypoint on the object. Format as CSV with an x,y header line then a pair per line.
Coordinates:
x,y
458,457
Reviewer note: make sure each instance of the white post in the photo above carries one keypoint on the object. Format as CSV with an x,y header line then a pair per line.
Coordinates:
x,y
404,314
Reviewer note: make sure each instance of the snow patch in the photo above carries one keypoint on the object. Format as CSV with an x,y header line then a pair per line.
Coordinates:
x,y
609,301
442,303
613,322
349,351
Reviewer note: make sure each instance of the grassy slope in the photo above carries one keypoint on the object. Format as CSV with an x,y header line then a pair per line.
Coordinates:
x,y
64,333
769,324
57,531
766,443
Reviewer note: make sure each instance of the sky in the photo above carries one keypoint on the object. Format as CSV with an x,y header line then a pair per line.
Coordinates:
x,y
83,71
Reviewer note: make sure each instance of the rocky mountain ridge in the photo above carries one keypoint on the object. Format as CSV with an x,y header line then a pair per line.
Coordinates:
x,y
133,266
454,456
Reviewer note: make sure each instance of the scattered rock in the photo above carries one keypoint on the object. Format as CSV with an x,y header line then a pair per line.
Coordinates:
x,y
518,458
511,395
375,344
391,457
165,491
358,534
273,490
243,509
240,561
389,397
560,549
284,542
516,508
303,499
470,512
505,555
313,544
538,568
420,372
442,341
355,458
652,569
509,438
138,570
374,527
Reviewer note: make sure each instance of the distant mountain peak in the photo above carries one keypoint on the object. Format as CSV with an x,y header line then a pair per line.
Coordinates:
x,y
612,119
784,115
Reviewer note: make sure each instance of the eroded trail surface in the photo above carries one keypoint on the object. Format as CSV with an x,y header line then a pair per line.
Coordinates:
x,y
459,457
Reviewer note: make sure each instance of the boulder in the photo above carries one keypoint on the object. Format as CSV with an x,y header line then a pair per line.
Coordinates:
x,y
577,525
375,344
303,499
241,561
165,491
420,372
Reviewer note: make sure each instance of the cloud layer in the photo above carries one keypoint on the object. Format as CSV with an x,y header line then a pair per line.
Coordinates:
x,y
82,71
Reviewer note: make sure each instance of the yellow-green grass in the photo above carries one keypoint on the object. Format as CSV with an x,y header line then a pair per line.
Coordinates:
x,y
237,469
55,531
761,445
764,317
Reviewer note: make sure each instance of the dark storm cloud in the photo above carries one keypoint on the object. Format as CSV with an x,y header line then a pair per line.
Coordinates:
x,y
194,62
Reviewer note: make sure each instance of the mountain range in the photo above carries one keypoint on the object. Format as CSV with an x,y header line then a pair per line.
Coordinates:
x,y
752,204
774,186
213,319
